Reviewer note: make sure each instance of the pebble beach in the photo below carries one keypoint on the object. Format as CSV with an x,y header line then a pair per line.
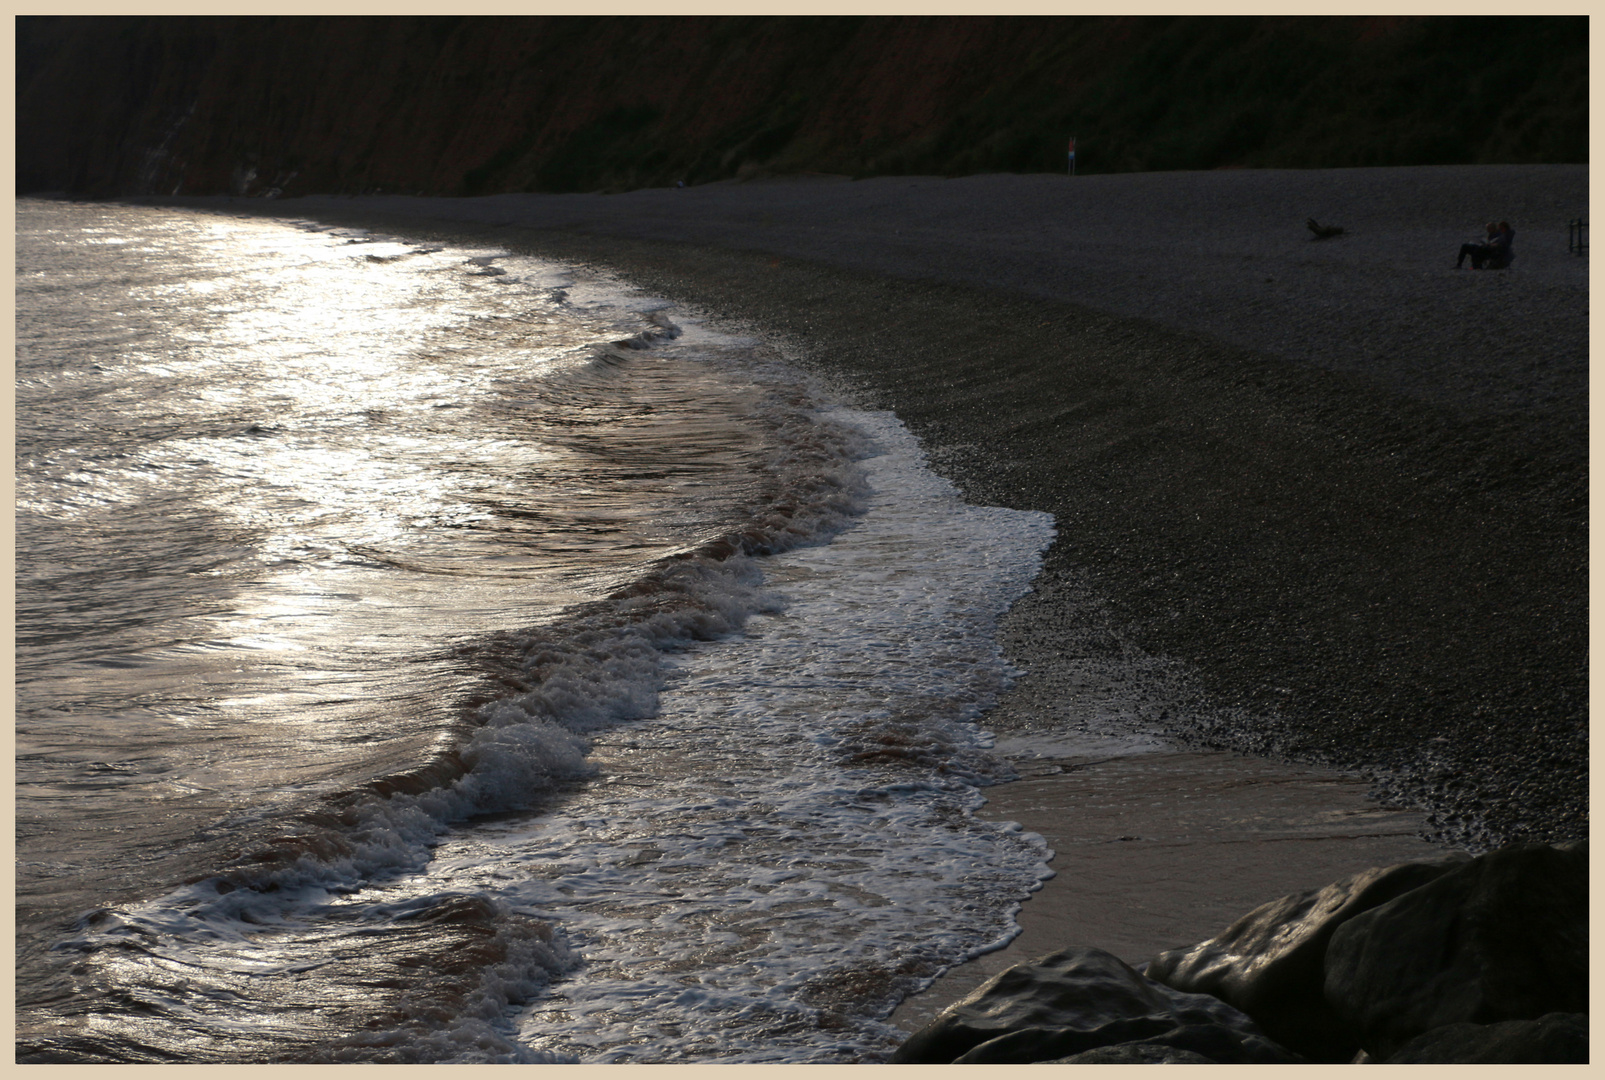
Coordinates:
x,y
1334,491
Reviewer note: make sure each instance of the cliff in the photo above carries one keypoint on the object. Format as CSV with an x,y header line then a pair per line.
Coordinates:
x,y
478,105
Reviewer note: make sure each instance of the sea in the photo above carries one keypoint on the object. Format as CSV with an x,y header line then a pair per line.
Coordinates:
x,y
431,653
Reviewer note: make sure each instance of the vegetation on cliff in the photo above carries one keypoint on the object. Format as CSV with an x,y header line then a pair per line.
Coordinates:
x,y
477,105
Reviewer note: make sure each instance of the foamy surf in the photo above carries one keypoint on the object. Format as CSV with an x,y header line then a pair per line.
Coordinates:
x,y
642,729
777,844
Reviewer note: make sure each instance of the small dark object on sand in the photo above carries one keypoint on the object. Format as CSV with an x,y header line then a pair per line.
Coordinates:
x,y
1323,232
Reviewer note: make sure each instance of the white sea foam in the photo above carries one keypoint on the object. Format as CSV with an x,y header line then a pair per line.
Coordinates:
x,y
788,847
780,843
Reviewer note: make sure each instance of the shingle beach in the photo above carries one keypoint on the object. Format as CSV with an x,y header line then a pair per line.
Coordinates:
x,y
1335,489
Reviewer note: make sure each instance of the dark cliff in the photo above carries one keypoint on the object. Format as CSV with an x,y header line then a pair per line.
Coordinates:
x,y
470,105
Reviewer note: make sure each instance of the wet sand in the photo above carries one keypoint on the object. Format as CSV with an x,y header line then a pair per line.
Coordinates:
x,y
1333,491
1158,851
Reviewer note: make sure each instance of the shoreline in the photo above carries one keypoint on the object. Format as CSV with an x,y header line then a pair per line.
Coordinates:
x,y
1362,576
1378,569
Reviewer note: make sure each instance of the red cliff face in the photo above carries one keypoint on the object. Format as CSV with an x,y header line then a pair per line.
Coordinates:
x,y
450,105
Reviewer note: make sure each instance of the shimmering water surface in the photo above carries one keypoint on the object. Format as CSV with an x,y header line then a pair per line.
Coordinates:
x,y
429,653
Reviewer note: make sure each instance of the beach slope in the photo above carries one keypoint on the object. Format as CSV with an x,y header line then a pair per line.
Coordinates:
x,y
1340,482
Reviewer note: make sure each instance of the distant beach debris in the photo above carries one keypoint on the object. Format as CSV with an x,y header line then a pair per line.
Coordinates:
x,y
1323,232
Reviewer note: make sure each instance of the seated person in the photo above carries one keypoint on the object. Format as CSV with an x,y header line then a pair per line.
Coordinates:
x,y
1493,254
1503,251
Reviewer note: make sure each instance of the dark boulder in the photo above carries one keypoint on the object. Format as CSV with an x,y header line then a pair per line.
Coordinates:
x,y
1135,1053
1553,1039
1501,937
1185,1044
1083,1000
1270,963
1142,1039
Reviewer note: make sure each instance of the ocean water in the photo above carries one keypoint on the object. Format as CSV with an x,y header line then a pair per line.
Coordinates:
x,y
429,653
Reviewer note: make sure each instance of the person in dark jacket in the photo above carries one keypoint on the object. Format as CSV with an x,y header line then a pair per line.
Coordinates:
x,y
1503,248
1493,254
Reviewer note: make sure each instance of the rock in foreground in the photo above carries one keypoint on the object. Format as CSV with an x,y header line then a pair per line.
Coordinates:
x,y
1271,962
1080,1002
1503,937
1456,960
1552,1039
